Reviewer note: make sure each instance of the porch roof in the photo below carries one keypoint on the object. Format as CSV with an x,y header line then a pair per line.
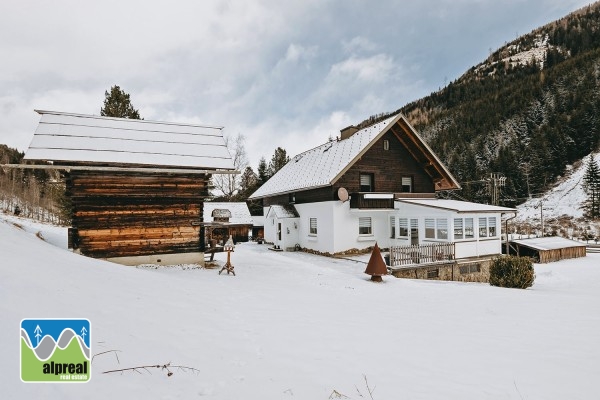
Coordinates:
x,y
458,206
283,211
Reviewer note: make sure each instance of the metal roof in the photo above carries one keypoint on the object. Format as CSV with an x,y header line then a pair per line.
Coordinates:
x,y
325,164
457,206
548,243
78,138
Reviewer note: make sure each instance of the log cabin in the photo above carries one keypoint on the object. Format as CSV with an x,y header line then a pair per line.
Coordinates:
x,y
136,188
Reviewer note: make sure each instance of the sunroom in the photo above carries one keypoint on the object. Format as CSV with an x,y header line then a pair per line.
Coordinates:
x,y
436,230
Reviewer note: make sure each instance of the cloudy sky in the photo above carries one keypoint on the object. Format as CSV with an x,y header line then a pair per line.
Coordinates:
x,y
282,73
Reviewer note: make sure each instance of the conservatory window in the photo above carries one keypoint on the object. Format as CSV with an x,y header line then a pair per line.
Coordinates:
x,y
483,227
403,227
459,233
442,228
429,228
492,227
469,233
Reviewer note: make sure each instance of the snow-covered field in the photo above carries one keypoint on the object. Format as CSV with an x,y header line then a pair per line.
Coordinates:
x,y
299,326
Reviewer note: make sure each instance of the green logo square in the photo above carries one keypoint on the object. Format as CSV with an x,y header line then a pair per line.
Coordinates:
x,y
56,350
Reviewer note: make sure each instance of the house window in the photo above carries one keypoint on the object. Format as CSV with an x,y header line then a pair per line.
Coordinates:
x,y
442,228
458,229
407,184
492,227
386,144
392,227
469,233
436,228
483,232
429,228
292,198
403,227
313,226
366,183
364,226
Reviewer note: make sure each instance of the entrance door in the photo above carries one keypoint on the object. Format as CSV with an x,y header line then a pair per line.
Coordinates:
x,y
414,232
279,231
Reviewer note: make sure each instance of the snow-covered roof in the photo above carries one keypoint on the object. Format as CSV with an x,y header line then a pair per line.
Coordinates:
x,y
258,220
64,137
325,164
457,206
282,211
239,212
548,243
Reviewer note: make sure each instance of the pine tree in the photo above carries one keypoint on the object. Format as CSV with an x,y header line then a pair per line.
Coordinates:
x,y
278,161
118,104
248,182
591,184
263,172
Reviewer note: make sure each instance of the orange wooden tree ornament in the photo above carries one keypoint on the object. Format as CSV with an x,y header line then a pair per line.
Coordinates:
x,y
376,266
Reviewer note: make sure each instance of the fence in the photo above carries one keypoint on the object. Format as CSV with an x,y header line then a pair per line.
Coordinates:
x,y
401,256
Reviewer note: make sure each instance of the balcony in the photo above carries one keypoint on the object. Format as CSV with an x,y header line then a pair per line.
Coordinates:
x,y
410,256
372,200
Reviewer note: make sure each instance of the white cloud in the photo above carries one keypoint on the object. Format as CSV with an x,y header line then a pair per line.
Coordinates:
x,y
359,44
284,74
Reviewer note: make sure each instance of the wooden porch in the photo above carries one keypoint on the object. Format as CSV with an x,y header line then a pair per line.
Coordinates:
x,y
429,254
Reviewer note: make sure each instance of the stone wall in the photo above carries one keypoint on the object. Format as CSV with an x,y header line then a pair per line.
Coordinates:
x,y
462,271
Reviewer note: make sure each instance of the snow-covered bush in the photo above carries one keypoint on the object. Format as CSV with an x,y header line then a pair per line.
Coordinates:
x,y
512,272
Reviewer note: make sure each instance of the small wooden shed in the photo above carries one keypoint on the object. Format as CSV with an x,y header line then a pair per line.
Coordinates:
x,y
136,187
223,220
548,249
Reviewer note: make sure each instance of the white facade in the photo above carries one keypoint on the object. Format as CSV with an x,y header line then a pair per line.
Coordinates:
x,y
333,227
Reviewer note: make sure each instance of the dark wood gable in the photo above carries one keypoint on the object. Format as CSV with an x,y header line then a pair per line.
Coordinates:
x,y
387,168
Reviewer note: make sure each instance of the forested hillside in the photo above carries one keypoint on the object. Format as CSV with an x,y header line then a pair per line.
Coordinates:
x,y
33,193
529,110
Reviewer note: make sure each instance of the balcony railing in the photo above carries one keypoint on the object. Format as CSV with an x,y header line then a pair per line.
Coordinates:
x,y
372,200
407,256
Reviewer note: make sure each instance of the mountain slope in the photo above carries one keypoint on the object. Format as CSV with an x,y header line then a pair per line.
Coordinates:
x,y
529,110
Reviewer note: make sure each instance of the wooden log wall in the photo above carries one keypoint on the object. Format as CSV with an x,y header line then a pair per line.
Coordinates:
x,y
134,214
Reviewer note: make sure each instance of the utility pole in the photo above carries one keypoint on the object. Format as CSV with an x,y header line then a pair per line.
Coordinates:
x,y
495,182
541,206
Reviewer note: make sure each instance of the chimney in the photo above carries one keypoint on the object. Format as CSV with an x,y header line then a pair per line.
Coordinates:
x,y
348,131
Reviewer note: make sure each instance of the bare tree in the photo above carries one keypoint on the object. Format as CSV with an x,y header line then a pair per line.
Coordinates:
x,y
226,186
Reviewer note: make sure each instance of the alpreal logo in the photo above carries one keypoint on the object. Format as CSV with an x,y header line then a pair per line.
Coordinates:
x,y
55,350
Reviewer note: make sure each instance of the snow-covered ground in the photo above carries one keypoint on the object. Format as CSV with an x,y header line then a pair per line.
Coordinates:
x,y
565,199
299,326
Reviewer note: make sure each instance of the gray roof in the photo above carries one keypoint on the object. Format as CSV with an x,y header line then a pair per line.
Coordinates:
x,y
325,164
458,206
67,138
240,214
548,243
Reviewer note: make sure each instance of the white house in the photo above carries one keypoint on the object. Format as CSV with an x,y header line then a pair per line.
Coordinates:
x,y
376,184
